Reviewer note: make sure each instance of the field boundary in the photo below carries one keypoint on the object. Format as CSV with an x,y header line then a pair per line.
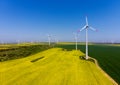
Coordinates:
x,y
110,78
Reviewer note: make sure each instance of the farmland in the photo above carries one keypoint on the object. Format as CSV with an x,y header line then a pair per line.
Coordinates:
x,y
15,51
55,66
108,57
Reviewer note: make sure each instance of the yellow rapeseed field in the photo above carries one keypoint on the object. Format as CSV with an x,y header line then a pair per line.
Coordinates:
x,y
52,67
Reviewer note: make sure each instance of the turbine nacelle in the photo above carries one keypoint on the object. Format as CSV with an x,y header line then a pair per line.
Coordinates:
x,y
87,26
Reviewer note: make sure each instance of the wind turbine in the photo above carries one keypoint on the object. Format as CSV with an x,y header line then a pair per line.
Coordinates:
x,y
55,38
49,38
112,41
2,42
18,41
76,39
86,27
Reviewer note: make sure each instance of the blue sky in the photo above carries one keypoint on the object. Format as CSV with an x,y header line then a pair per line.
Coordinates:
x,y
32,20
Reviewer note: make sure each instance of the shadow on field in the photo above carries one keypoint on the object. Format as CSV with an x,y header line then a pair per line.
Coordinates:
x,y
37,59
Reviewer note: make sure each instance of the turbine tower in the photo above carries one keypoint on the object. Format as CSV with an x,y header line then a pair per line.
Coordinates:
x,y
18,41
55,39
86,27
76,39
2,42
49,39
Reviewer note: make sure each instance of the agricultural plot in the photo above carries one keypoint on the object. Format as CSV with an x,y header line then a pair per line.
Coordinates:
x,y
15,51
55,66
108,57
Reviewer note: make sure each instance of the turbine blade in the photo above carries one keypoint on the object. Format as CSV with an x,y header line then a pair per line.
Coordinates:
x,y
82,28
86,21
92,28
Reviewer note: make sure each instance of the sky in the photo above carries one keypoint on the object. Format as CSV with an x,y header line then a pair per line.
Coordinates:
x,y
33,20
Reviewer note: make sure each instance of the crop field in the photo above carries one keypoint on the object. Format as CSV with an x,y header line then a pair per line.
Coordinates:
x,y
15,51
55,66
108,57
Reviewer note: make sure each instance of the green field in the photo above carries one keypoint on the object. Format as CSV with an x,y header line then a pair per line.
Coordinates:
x,y
108,57
55,66
15,51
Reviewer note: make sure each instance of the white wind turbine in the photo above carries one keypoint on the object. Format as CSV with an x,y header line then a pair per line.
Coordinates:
x,y
2,42
76,39
49,39
18,42
86,27
56,39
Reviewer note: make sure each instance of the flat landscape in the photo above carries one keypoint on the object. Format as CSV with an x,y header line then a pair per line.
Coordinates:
x,y
55,66
60,42
107,55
